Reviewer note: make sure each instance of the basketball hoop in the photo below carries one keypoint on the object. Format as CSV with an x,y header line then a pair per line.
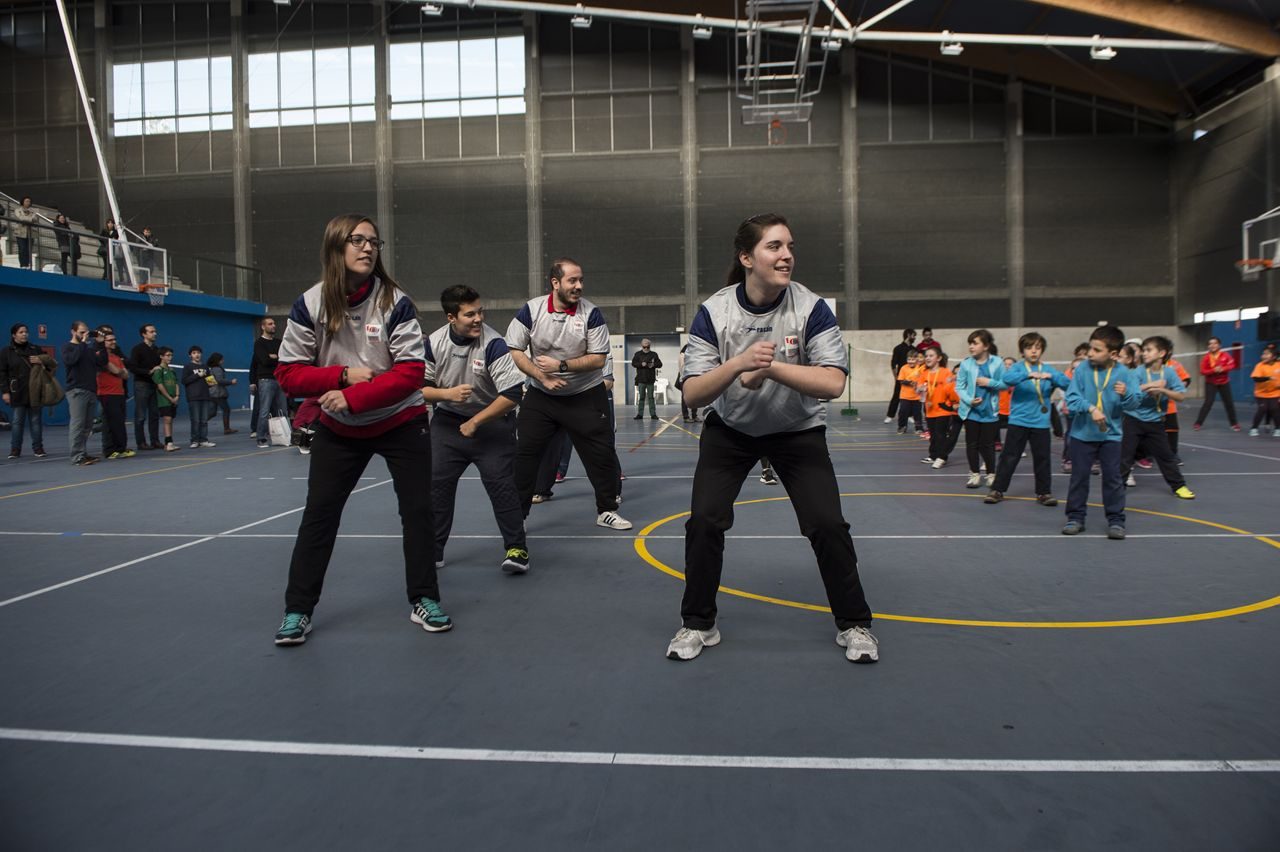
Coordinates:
x,y
155,293
1252,267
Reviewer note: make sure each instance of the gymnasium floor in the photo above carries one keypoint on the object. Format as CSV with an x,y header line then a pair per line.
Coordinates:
x,y
1034,691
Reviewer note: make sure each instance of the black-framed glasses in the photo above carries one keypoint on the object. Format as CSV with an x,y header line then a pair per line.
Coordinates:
x,y
360,241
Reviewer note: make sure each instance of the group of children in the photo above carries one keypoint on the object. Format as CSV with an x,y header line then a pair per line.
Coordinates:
x,y
1115,407
204,386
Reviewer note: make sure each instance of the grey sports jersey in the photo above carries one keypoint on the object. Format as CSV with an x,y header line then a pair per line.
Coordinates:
x,y
484,363
805,332
542,330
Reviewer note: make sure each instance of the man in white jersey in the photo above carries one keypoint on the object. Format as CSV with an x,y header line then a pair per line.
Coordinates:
x,y
474,387
568,343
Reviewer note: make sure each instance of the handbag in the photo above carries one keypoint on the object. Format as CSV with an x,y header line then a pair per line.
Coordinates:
x,y
281,431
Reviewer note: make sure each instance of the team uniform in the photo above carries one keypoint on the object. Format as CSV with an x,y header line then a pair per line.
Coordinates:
x,y
1171,414
1144,427
908,398
486,365
940,404
1217,384
1030,401
386,417
773,421
1089,443
1266,390
981,419
581,407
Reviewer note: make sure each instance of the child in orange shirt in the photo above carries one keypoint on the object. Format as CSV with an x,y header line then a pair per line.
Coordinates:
x,y
908,398
1266,390
938,390
1006,400
1171,416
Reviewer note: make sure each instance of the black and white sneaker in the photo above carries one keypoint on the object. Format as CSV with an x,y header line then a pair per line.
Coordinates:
x,y
516,561
613,521
428,613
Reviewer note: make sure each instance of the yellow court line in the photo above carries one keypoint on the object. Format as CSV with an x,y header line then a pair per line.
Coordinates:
x,y
132,475
643,550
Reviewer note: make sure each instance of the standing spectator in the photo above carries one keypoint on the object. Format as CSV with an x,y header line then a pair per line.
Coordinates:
x,y
1216,367
111,396
68,244
16,362
927,342
219,394
368,374
150,256
646,363
106,251
897,361
568,343
262,381
142,362
167,390
196,380
82,390
22,231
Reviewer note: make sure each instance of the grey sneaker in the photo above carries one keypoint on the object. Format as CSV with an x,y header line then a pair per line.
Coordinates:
x,y
1073,528
429,614
294,629
612,521
688,643
859,644
989,481
1115,533
975,481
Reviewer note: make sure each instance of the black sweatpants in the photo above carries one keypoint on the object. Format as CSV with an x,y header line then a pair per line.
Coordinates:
x,y
336,465
1171,429
1150,437
944,432
492,450
1267,407
1212,391
585,416
803,463
1015,441
115,433
980,444
896,399
909,409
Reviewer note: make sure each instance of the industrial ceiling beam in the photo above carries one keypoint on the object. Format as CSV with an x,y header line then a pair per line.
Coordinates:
x,y
1185,19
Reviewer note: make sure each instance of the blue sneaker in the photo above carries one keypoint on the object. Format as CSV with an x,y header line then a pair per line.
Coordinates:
x,y
429,614
1073,528
294,629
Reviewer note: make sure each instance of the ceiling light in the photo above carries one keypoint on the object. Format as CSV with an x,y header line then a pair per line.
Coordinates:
x,y
1101,50
701,31
580,20
281,2
435,10
950,48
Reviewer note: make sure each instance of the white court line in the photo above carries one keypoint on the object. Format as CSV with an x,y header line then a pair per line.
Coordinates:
x,y
941,476
1232,452
611,758
1055,536
201,540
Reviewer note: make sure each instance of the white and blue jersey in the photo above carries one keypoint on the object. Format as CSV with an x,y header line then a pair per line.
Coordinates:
x,y
483,362
562,335
805,332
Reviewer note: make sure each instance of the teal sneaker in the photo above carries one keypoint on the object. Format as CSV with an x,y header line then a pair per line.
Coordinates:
x,y
294,629
429,614
516,561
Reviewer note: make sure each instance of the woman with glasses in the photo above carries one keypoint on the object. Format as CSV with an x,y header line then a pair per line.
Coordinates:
x,y
354,342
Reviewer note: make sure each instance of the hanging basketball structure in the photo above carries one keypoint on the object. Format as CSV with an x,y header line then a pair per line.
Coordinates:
x,y
778,71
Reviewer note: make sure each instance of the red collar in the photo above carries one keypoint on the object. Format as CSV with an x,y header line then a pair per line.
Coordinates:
x,y
360,293
551,306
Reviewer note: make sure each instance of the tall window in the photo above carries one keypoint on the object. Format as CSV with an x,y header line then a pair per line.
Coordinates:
x,y
302,87
172,96
457,78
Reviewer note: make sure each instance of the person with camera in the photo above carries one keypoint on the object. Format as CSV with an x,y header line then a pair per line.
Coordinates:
x,y
80,359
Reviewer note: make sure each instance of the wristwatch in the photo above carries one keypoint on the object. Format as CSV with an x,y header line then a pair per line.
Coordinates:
x,y
564,367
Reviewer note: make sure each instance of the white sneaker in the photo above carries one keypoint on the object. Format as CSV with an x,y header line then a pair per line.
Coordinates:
x,y
1130,482
613,521
927,460
975,480
938,464
253,434
859,644
208,444
888,420
1253,433
990,480
688,643
195,445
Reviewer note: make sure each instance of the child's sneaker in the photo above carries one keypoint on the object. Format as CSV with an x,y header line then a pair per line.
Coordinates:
x,y
1145,464
1096,470
1046,500
1066,466
429,614
975,480
516,561
938,464
989,481
1253,433
993,497
1184,493
1130,482
1235,427
927,460
613,521
207,444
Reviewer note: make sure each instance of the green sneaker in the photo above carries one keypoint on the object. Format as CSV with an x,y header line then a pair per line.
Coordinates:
x,y
517,561
429,614
294,629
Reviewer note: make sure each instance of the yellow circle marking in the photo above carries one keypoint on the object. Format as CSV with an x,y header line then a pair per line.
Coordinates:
x,y
642,548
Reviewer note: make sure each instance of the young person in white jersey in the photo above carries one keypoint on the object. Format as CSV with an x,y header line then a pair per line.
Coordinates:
x,y
763,353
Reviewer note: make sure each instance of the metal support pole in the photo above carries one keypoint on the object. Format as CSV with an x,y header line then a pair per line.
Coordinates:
x,y
382,139
689,172
849,187
533,155
241,190
1015,206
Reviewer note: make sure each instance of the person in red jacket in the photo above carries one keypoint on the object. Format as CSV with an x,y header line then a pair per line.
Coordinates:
x,y
1216,367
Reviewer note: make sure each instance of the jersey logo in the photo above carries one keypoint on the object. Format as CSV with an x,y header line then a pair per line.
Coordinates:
x,y
762,329
791,341
477,365
372,329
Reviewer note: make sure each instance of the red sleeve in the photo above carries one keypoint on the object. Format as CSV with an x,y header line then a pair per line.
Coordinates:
x,y
1231,363
1205,368
298,379
387,389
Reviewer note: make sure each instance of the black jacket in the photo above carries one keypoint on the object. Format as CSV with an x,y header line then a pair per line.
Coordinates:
x,y
899,359
15,371
264,366
141,361
646,365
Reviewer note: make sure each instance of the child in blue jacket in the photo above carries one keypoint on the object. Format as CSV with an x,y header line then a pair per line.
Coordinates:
x,y
976,385
1032,382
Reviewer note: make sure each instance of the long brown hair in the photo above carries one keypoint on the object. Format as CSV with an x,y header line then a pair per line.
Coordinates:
x,y
333,265
749,234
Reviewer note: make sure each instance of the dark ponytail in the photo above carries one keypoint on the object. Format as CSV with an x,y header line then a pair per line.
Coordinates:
x,y
750,232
